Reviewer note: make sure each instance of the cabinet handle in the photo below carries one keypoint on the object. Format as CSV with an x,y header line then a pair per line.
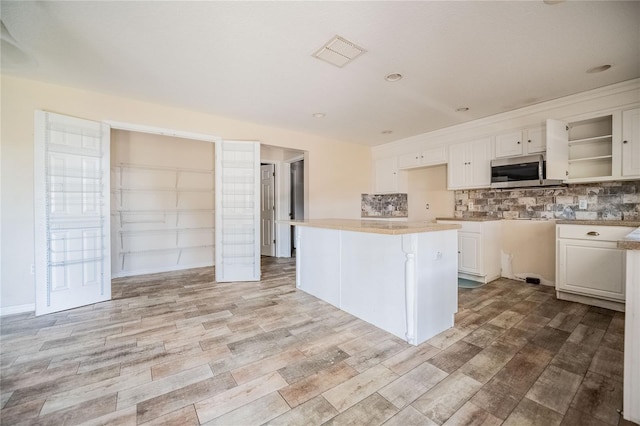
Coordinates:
x,y
624,141
518,142
593,233
529,141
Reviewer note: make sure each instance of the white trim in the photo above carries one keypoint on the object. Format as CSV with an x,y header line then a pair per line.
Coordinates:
x,y
296,158
162,131
17,309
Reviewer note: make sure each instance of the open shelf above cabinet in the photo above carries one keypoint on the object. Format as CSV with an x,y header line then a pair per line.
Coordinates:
x,y
591,148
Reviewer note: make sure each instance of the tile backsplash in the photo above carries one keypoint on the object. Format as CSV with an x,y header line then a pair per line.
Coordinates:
x,y
384,205
618,200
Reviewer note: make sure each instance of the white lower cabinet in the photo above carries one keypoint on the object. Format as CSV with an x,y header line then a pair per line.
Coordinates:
x,y
589,267
478,249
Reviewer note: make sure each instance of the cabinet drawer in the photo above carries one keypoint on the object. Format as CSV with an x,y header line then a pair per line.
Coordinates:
x,y
596,233
467,226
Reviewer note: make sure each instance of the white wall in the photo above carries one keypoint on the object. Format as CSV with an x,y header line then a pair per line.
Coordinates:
x,y
338,171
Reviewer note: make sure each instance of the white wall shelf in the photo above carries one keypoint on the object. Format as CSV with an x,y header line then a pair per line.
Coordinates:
x,y
163,217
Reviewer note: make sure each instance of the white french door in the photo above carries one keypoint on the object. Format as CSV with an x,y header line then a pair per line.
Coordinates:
x,y
237,212
72,240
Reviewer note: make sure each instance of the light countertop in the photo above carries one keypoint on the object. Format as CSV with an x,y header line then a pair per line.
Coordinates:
x,y
470,219
632,224
631,241
374,226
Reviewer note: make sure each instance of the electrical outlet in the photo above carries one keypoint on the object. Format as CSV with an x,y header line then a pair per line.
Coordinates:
x,y
427,206
470,205
32,269
582,204
437,256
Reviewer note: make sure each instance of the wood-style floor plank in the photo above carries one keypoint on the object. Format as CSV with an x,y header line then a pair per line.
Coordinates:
x,y
177,348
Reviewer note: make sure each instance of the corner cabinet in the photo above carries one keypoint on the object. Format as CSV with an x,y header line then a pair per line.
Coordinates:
x,y
478,249
597,149
469,165
590,268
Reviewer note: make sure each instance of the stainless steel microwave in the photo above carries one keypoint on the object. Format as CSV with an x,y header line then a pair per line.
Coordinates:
x,y
516,172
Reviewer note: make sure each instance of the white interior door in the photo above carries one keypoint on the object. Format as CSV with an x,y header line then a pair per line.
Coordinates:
x,y
72,243
267,210
237,211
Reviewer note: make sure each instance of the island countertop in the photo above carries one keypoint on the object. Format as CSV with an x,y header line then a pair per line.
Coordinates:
x,y
373,226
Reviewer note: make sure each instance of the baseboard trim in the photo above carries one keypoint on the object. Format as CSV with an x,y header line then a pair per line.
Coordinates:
x,y
17,309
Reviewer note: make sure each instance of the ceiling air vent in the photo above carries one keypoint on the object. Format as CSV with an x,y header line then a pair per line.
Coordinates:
x,y
339,51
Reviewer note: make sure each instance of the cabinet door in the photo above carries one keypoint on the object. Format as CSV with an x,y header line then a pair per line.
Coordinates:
x,y
509,144
407,161
480,164
535,141
433,156
631,142
557,149
593,268
469,251
386,175
456,169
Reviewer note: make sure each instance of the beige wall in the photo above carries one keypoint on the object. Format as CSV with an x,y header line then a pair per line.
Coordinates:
x,y
429,186
338,172
533,247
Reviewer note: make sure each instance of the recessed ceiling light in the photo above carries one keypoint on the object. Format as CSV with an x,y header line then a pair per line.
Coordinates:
x,y
393,77
386,132
319,114
598,69
462,109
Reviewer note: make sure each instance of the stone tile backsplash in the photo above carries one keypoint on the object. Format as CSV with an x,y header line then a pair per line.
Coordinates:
x,y
618,200
384,205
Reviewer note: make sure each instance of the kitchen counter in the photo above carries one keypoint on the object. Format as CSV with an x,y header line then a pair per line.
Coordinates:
x,y
633,224
373,226
399,276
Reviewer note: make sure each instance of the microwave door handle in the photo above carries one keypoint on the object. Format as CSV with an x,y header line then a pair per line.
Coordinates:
x,y
540,169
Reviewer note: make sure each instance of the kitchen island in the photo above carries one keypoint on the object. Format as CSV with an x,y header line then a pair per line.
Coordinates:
x,y
398,276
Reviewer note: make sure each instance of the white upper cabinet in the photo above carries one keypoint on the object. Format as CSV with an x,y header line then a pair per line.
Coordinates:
x,y
469,165
520,142
557,149
631,142
386,175
535,140
509,144
427,157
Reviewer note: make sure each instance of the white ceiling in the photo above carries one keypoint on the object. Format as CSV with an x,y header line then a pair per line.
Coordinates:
x,y
253,61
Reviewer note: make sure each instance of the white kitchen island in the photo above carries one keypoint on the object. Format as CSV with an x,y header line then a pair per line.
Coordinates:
x,y
399,276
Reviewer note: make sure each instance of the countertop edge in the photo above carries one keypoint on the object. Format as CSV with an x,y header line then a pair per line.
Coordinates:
x,y
631,241
373,226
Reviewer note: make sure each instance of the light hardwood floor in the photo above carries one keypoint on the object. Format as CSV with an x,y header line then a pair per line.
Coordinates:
x,y
180,349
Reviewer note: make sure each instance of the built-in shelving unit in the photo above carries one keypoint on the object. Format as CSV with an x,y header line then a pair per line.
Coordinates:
x,y
591,148
161,216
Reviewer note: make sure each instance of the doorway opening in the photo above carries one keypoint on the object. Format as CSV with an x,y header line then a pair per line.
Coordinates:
x,y
296,197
